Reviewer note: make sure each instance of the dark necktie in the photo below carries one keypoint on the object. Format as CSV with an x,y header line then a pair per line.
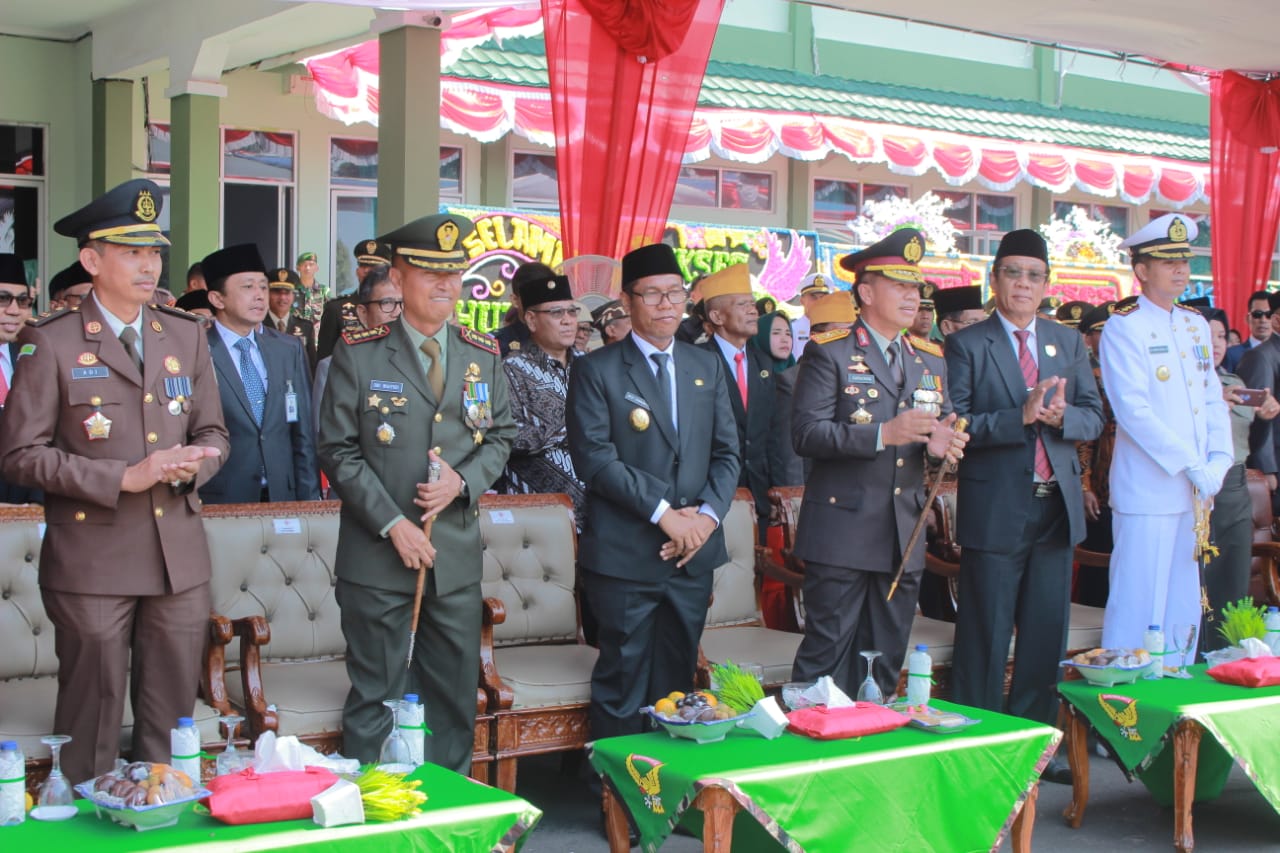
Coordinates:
x,y
254,389
1031,375
129,338
895,365
664,381
435,375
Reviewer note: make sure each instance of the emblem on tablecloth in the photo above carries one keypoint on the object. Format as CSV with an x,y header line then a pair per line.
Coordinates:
x,y
1125,717
648,782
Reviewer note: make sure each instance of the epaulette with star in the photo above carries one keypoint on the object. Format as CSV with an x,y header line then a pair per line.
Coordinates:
x,y
925,345
1125,310
1185,308
47,318
174,312
479,339
829,336
360,336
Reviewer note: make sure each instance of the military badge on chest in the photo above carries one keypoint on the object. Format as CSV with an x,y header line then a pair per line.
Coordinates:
x,y
475,402
860,383
928,394
385,432
178,389
97,427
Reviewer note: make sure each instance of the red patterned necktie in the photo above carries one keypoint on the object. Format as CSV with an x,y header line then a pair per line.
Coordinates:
x,y
742,376
1031,375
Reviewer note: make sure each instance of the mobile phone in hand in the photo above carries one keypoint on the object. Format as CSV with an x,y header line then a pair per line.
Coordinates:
x,y
1251,396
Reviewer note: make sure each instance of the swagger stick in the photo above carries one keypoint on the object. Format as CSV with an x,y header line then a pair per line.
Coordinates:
x,y
433,475
947,468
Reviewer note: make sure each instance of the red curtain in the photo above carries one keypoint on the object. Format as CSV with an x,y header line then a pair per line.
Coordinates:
x,y
623,88
1244,165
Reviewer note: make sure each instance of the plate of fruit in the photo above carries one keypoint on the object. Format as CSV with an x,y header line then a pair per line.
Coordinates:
x,y
698,716
1106,667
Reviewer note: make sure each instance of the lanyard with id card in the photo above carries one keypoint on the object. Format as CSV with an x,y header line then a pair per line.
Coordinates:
x,y
290,403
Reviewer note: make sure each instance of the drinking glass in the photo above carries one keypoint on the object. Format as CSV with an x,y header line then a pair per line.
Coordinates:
x,y
1185,637
870,691
395,754
55,800
231,760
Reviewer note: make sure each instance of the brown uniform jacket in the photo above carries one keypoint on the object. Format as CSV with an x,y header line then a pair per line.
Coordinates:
x,y
101,541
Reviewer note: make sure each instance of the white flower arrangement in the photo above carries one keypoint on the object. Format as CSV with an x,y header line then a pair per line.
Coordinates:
x,y
926,214
1079,238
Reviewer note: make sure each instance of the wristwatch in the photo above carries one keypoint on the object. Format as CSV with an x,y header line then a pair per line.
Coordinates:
x,y
463,491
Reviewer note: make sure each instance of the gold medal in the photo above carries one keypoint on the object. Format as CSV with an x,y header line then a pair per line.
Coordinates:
x,y
639,419
386,433
1162,373
861,417
97,426
172,364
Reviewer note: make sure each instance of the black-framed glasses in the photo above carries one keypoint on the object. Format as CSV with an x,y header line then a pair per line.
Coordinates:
x,y
6,299
1015,273
654,298
557,313
387,305
1258,315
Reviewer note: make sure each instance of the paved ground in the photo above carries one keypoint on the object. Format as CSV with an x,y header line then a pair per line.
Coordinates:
x,y
1120,816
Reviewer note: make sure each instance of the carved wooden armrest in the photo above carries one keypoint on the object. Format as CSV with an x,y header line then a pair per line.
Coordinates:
x,y
499,694
1269,552
213,680
254,633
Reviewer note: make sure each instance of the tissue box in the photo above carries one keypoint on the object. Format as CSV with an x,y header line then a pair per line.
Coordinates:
x,y
338,805
766,718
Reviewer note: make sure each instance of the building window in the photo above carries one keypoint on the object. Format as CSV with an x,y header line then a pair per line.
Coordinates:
x,y
697,187
837,202
21,150
354,163
22,198
980,219
746,190
258,192
534,180
158,147
1117,216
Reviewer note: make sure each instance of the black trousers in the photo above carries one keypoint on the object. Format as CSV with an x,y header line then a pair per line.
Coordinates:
x,y
1029,589
648,636
1226,577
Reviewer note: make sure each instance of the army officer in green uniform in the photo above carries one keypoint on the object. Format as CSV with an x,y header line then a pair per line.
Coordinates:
x,y
415,391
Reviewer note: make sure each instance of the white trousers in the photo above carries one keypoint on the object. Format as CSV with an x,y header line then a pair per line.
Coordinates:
x,y
1154,579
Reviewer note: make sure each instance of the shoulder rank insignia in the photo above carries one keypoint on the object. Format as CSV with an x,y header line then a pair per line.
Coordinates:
x,y
829,336
1124,310
174,312
360,336
47,318
1183,307
925,345
479,339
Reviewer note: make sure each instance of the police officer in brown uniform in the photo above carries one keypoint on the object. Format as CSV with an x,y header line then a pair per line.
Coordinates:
x,y
119,423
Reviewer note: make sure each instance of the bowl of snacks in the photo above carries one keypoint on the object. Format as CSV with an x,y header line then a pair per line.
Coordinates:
x,y
143,794
1105,667
696,716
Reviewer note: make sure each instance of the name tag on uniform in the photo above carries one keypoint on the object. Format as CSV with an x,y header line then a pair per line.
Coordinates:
x,y
861,378
389,387
290,404
99,372
639,401
1160,350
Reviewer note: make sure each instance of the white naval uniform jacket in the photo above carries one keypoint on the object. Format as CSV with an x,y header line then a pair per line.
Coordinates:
x,y
1157,367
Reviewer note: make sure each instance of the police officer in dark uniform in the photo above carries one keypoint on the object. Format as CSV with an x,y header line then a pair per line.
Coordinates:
x,y
869,401
339,314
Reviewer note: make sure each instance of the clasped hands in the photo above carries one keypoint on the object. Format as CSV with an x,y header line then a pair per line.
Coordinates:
x,y
689,531
941,438
174,466
1034,409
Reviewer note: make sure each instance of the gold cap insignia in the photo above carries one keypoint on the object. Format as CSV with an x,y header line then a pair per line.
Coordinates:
x,y
370,247
282,275
447,235
1076,311
913,251
145,207
1178,230
819,281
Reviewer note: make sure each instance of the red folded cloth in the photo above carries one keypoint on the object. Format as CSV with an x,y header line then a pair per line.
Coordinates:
x,y
252,797
863,718
1249,672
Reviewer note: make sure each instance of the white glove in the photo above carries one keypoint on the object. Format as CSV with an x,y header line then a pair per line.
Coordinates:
x,y
1204,482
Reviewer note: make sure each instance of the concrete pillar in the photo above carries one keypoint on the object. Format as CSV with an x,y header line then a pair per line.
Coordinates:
x,y
408,125
195,197
495,172
112,134
800,193
1041,208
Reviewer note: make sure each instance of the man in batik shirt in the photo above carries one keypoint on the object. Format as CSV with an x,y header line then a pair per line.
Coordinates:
x,y
538,377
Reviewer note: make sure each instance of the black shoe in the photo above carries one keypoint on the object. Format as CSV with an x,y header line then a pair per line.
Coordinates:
x,y
1057,771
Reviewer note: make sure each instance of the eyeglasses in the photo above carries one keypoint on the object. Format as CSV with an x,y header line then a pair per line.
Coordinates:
x,y
654,298
557,313
7,299
1015,273
1258,315
387,305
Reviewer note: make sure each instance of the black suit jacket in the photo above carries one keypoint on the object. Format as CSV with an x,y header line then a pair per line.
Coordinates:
x,y
12,493
305,333
998,468
285,450
1259,367
630,456
753,420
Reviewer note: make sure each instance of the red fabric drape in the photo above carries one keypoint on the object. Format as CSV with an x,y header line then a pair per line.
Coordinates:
x,y
1244,133
621,124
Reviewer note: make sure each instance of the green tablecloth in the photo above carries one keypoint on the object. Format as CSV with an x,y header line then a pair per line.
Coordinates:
x,y
901,790
460,816
1137,721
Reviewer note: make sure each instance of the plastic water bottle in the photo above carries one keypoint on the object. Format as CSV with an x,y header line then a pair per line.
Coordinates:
x,y
1153,642
411,719
1272,620
13,784
184,749
919,676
